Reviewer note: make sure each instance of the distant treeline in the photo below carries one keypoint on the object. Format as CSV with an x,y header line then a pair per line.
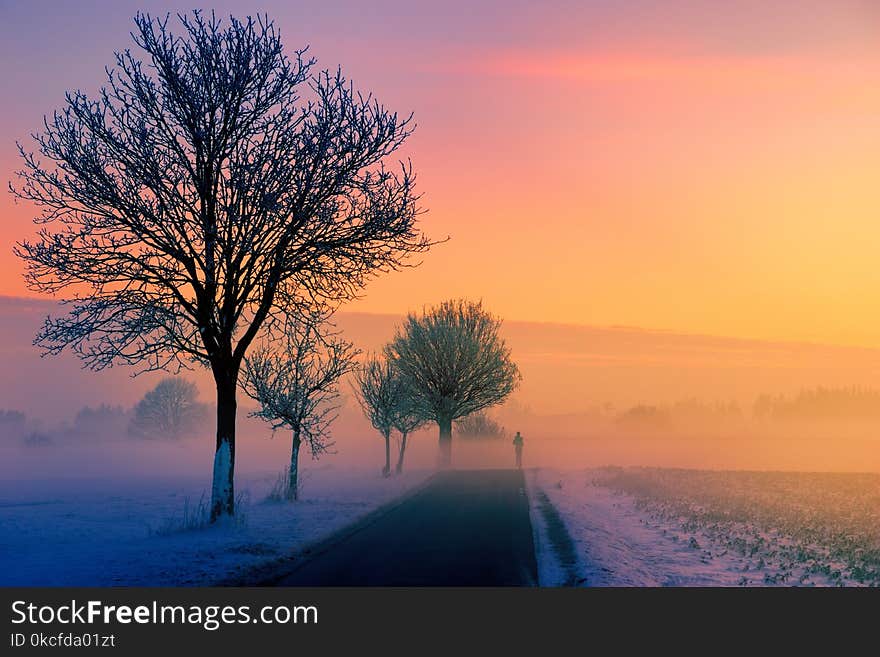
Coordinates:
x,y
181,415
170,411
819,404
684,412
854,405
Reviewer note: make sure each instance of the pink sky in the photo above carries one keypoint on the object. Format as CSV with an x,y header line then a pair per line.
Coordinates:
x,y
695,166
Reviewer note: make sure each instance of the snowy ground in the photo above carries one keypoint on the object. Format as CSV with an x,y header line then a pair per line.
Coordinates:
x,y
710,534
104,533
597,527
615,545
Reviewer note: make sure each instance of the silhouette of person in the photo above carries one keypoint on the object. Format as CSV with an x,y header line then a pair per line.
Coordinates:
x,y
518,445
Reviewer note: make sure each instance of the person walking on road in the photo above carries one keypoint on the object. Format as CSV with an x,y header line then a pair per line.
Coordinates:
x,y
518,445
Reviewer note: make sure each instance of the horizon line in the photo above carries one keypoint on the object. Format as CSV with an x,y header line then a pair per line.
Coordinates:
x,y
600,327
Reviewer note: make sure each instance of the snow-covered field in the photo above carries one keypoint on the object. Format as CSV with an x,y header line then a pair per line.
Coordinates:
x,y
595,527
128,532
663,527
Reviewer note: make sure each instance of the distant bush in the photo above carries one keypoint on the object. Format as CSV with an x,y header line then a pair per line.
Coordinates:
x,y
479,425
38,439
694,410
683,415
643,416
103,421
11,417
12,424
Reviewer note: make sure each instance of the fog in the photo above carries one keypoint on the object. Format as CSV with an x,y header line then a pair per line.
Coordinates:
x,y
589,396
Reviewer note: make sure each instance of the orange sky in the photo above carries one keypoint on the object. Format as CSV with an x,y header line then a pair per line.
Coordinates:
x,y
695,168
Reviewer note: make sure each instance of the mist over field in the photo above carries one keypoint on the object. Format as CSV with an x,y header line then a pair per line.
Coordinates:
x,y
590,397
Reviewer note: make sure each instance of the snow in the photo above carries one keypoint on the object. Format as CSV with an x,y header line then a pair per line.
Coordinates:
x,y
617,545
551,571
131,530
126,532
222,464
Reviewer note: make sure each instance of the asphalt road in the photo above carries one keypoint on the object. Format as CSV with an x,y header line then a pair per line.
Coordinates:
x,y
464,528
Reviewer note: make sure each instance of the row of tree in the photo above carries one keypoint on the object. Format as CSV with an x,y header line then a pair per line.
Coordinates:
x,y
217,194
446,363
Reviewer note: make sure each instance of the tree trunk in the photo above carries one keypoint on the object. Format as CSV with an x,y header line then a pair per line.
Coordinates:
x,y
223,489
399,467
445,442
293,479
386,471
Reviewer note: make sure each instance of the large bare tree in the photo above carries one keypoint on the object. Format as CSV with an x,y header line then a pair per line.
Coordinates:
x,y
454,362
380,392
212,182
296,383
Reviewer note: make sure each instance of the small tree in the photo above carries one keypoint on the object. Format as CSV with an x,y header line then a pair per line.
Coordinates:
x,y
380,390
479,425
406,420
211,183
169,410
298,387
455,363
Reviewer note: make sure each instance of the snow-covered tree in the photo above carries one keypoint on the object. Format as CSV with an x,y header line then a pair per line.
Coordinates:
x,y
297,386
454,363
210,185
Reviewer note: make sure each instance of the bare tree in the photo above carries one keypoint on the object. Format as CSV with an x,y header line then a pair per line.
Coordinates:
x,y
298,387
168,411
406,420
454,362
209,185
380,390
